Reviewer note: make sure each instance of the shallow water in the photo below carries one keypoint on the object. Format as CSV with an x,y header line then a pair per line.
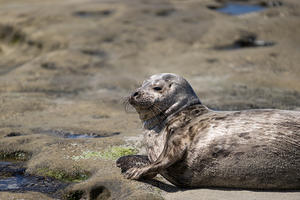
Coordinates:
x,y
239,9
12,183
13,178
90,135
74,135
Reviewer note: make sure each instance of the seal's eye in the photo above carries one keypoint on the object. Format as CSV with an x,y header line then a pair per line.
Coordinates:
x,y
157,88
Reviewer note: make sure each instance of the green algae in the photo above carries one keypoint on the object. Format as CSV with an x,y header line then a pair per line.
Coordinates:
x,y
87,155
76,176
15,156
115,152
111,153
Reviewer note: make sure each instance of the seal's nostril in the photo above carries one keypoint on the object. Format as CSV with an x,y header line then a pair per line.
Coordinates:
x,y
135,94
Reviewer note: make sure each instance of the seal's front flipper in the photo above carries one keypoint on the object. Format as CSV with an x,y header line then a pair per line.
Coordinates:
x,y
130,161
174,150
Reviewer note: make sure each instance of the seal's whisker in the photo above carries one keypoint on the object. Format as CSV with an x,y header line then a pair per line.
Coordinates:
x,y
154,114
125,101
129,108
160,110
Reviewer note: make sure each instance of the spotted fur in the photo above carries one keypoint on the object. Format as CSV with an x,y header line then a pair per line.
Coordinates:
x,y
192,146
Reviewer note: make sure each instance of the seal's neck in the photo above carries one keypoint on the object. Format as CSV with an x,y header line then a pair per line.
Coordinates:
x,y
154,121
158,121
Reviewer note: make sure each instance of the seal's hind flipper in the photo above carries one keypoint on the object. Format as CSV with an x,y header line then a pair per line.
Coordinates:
x,y
130,161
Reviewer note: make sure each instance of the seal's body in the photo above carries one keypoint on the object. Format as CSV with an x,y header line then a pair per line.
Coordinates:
x,y
192,146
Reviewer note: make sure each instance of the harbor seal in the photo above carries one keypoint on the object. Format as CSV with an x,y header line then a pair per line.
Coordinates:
x,y
193,146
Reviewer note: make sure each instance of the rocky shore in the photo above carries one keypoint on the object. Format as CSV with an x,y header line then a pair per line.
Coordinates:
x,y
65,67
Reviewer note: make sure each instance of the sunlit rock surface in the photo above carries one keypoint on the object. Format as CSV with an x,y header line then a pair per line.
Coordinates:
x,y
65,67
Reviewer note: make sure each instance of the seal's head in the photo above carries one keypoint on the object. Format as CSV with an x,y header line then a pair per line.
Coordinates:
x,y
162,95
